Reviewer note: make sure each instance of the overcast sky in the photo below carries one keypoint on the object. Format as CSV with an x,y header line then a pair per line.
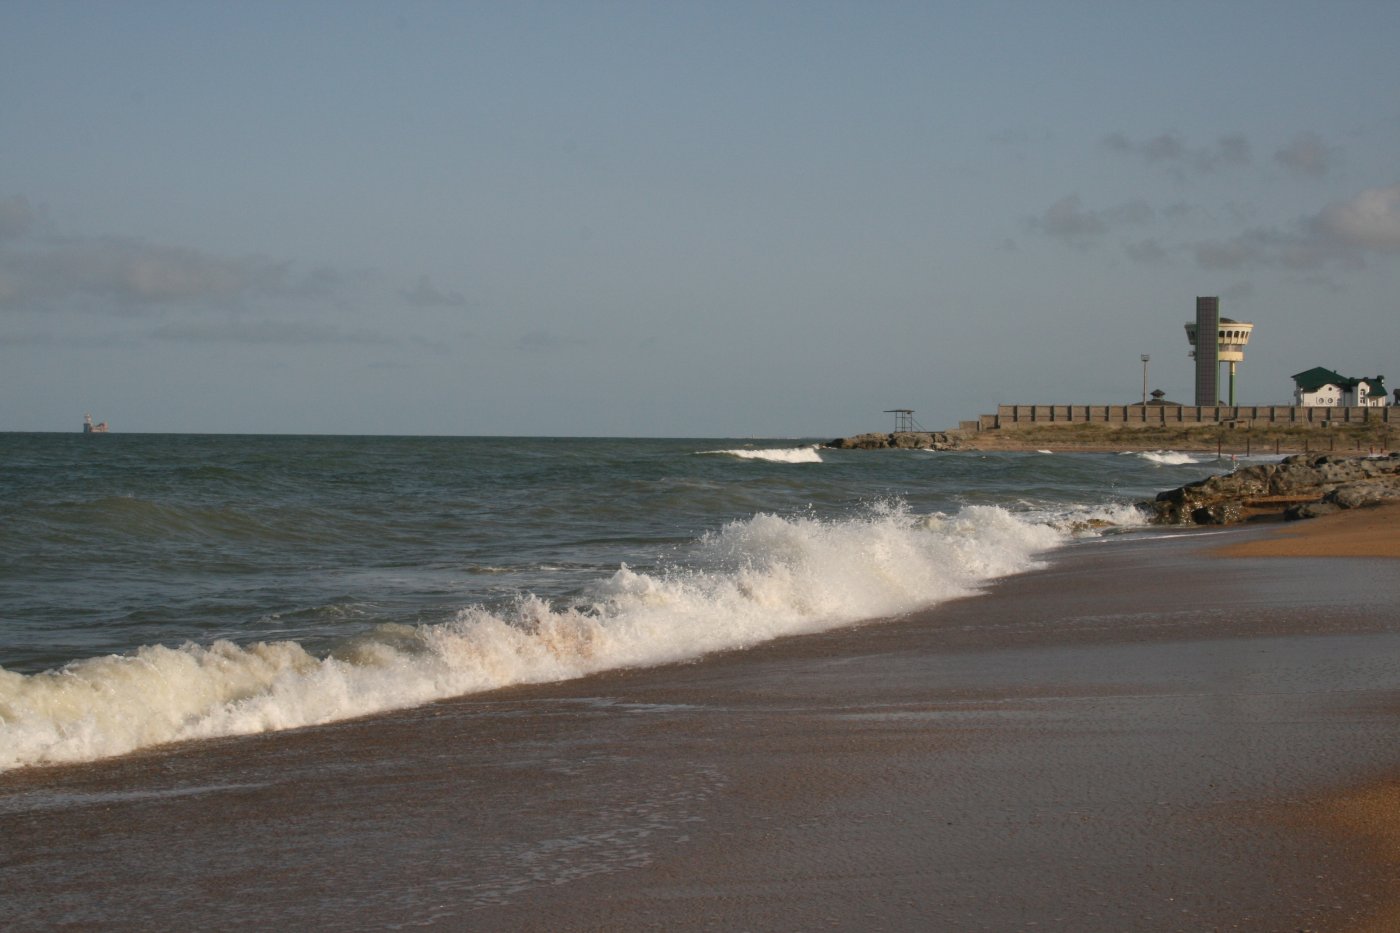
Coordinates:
x,y
676,219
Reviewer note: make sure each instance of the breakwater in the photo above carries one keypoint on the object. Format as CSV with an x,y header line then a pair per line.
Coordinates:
x,y
901,440
1012,417
1195,427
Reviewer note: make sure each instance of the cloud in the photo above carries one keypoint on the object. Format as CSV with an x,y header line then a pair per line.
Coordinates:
x,y
1167,147
1148,250
1344,233
1173,150
1307,155
1067,220
263,332
540,340
117,274
1229,150
1240,291
1251,248
17,218
426,295
1370,221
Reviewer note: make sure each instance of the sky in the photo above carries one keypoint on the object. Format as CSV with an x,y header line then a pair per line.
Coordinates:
x,y
681,219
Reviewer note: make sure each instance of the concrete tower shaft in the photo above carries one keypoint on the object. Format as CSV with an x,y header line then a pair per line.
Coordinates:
x,y
1205,337
1227,347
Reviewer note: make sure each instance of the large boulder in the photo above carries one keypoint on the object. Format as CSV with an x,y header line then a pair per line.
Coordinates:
x,y
1300,486
861,442
1355,495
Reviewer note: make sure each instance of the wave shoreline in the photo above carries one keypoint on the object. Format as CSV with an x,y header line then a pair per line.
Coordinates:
x,y
1203,730
749,582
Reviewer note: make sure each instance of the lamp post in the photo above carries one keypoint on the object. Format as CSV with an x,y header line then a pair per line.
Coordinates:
x,y
1144,358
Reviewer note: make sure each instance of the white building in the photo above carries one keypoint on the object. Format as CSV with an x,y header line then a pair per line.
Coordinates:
x,y
1320,387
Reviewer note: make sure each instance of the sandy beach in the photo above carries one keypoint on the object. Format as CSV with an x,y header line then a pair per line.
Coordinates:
x,y
1173,731
1369,532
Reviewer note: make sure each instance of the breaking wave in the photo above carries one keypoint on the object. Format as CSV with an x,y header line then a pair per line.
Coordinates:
x,y
1167,457
775,455
751,581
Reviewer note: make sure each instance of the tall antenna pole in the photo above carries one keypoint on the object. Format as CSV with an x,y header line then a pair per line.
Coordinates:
x,y
1145,358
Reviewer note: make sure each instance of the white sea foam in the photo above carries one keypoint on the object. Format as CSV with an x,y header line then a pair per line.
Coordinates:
x,y
1087,519
749,582
775,454
1167,457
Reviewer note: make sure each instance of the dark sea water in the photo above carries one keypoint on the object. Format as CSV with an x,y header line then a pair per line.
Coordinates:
x,y
164,587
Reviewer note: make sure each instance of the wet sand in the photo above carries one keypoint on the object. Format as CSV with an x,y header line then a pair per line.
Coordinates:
x,y
1367,532
1145,735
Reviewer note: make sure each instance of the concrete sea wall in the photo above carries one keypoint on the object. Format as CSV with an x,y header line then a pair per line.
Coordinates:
x,y
1011,417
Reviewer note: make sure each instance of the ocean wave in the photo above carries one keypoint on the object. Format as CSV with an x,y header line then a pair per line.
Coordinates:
x,y
774,455
130,518
1167,457
749,582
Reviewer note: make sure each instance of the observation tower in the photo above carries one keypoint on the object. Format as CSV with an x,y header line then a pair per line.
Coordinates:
x,y
903,419
1230,336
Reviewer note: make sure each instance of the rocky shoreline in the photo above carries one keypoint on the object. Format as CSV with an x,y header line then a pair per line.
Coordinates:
x,y
1302,486
901,440
1355,438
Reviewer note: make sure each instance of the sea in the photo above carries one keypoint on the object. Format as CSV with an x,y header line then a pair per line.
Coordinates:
x,y
164,587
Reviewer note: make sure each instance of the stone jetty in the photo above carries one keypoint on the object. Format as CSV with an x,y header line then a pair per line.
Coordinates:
x,y
901,440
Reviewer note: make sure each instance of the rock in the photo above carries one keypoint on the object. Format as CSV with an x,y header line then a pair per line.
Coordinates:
x,y
903,440
1358,494
861,442
1331,481
1222,513
1309,510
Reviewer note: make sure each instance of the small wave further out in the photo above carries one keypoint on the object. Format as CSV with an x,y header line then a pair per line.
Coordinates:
x,y
774,455
1167,457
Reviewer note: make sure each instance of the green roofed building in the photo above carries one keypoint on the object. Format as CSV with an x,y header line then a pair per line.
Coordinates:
x,y
1321,387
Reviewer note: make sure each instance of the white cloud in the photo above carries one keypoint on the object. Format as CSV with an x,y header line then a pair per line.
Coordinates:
x,y
1342,234
1370,221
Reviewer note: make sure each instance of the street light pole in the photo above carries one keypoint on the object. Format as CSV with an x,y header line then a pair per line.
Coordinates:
x,y
1145,358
